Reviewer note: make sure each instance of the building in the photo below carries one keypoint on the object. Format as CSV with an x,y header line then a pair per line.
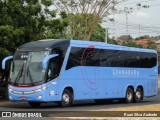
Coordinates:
x,y
144,42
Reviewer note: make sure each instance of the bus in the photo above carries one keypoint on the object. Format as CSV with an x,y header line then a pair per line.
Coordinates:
x,y
63,71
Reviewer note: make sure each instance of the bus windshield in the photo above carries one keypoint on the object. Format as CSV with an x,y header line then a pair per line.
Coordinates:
x,y
28,71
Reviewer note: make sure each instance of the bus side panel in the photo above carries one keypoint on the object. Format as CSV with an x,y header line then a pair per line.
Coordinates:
x,y
92,83
152,84
106,82
109,86
81,88
52,93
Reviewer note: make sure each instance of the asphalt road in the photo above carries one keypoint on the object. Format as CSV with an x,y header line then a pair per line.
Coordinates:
x,y
77,106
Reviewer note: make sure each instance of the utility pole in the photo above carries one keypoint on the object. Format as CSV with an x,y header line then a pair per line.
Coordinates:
x,y
139,30
106,35
114,33
127,23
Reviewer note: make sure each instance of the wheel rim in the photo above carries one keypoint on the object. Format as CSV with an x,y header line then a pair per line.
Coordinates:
x,y
138,94
65,98
129,96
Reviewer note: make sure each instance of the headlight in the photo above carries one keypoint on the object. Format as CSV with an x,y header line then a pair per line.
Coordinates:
x,y
38,90
10,90
28,92
41,89
46,87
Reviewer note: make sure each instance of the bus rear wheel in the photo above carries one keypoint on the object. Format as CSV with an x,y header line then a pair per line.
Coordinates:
x,y
138,96
129,95
34,104
66,99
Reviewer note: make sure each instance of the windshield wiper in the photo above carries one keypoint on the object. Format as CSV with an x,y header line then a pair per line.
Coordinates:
x,y
19,75
30,76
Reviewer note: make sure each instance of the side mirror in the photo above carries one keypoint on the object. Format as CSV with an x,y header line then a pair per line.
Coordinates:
x,y
46,60
4,61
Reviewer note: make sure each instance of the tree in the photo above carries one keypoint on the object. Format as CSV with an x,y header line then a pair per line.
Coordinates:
x,y
151,45
143,37
23,21
132,44
112,41
84,15
98,34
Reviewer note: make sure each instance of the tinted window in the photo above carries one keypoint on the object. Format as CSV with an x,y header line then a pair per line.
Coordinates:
x,y
110,58
54,67
55,64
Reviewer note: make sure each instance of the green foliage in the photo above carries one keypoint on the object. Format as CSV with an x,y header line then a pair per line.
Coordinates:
x,y
132,44
22,21
63,14
80,26
98,34
77,28
143,37
46,2
111,41
158,57
151,45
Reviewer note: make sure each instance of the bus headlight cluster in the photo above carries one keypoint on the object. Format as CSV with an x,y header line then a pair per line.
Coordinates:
x,y
10,90
41,89
28,92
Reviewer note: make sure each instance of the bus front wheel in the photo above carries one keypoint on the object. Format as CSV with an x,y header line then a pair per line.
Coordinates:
x,y
129,95
138,96
34,104
66,99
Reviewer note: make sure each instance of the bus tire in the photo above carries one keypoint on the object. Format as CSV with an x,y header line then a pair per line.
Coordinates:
x,y
34,104
138,95
129,95
66,99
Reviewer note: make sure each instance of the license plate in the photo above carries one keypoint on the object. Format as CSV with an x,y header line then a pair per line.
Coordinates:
x,y
23,97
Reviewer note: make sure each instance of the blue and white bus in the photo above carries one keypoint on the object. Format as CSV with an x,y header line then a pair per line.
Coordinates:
x,y
66,70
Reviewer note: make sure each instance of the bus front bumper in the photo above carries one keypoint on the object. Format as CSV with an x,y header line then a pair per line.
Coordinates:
x,y
43,96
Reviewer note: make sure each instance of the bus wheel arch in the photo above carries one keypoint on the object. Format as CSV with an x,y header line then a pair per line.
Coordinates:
x,y
67,97
129,96
139,94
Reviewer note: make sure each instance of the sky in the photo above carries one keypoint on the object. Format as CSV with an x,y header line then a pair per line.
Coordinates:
x,y
143,21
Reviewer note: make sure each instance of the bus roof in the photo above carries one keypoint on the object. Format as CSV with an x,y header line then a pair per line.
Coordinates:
x,y
112,46
51,43
43,44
